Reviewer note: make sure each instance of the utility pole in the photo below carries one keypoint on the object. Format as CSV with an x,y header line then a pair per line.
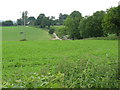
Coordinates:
x,y
24,27
23,23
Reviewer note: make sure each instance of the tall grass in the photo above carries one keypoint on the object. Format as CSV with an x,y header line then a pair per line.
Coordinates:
x,y
60,64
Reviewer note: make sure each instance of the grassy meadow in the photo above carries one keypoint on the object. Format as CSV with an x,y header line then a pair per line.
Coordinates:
x,y
32,34
44,63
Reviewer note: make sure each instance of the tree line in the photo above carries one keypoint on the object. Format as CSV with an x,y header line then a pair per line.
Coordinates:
x,y
7,23
100,24
42,20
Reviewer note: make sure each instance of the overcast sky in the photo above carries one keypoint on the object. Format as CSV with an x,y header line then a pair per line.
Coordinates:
x,y
11,9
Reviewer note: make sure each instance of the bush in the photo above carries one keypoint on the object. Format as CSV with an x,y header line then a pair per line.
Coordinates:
x,y
110,37
23,40
51,31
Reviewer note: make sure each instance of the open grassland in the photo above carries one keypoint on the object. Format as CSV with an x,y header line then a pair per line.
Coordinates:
x,y
32,34
57,27
64,64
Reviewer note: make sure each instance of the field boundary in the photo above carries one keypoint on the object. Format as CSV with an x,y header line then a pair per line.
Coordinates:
x,y
0,56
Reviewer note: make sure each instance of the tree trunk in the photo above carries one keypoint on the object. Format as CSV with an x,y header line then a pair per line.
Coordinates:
x,y
117,33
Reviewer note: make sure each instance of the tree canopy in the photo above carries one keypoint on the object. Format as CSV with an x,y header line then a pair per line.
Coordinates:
x,y
7,23
91,26
31,20
72,22
100,24
111,22
62,18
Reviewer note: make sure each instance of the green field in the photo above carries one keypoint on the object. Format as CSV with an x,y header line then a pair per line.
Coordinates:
x,y
32,34
53,64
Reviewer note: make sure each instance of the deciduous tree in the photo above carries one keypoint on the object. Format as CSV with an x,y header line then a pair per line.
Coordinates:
x,y
7,23
111,20
72,22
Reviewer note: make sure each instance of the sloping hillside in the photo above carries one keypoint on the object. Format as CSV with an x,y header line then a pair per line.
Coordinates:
x,y
17,33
